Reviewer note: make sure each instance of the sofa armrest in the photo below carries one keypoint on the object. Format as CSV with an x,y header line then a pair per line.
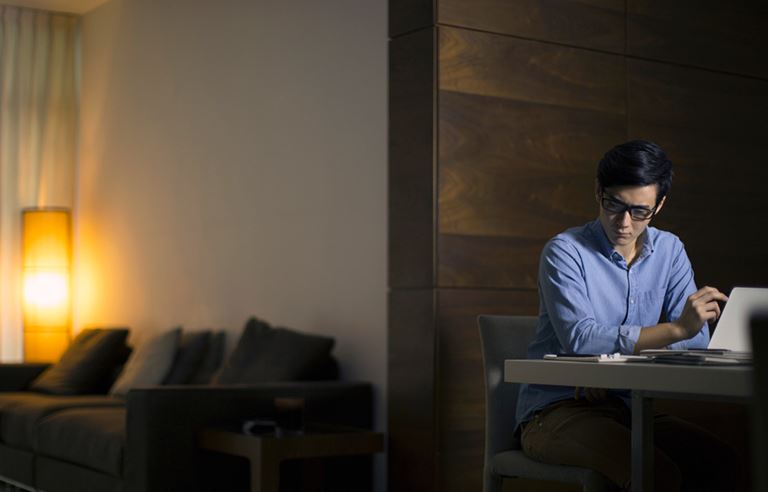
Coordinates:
x,y
163,423
17,377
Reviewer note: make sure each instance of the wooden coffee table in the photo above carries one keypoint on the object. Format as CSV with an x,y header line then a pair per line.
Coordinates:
x,y
266,451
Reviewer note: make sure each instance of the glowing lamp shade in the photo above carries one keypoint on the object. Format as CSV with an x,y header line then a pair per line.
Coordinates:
x,y
46,265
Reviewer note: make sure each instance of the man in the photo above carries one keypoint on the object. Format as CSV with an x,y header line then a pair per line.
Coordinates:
x,y
619,285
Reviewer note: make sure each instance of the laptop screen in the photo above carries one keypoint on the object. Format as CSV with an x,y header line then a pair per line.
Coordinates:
x,y
732,330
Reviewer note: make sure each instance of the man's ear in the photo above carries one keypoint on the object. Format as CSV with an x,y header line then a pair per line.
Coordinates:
x,y
597,191
660,205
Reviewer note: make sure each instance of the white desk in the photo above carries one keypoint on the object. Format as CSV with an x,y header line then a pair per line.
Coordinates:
x,y
647,381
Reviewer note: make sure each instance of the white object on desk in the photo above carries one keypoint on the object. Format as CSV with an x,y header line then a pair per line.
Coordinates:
x,y
617,357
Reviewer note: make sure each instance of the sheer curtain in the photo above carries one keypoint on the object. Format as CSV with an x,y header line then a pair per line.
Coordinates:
x,y
38,139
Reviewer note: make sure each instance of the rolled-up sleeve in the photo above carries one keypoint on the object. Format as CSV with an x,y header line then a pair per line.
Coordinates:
x,y
628,335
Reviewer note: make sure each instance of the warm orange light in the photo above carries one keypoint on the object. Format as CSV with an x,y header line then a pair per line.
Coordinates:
x,y
46,259
46,289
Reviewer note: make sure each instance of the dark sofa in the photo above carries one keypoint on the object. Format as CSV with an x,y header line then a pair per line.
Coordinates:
x,y
146,441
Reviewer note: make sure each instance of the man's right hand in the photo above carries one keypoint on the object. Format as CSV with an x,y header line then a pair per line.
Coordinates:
x,y
701,306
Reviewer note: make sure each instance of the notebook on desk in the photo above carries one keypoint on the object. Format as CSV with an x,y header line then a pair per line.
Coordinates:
x,y
730,343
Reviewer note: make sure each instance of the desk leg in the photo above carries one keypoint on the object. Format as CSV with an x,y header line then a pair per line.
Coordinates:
x,y
265,474
642,442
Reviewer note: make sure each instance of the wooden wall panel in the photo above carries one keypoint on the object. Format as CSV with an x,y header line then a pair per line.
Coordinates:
x,y
411,160
505,164
719,35
411,382
520,130
596,24
494,261
461,393
500,66
714,127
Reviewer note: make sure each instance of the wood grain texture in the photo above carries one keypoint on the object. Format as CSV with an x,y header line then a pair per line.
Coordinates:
x,y
471,261
410,15
461,394
508,167
411,390
713,127
726,36
517,165
411,160
596,24
508,68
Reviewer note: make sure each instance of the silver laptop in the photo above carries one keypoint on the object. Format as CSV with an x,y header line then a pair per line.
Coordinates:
x,y
732,330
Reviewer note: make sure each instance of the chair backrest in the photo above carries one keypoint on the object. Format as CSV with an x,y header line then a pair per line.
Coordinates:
x,y
502,337
759,334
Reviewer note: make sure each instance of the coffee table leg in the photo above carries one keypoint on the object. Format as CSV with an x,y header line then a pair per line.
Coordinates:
x,y
642,442
265,474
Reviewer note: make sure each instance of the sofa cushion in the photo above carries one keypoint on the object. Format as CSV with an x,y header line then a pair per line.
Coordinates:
x,y
266,354
87,365
20,413
211,361
189,356
60,476
17,465
149,363
91,437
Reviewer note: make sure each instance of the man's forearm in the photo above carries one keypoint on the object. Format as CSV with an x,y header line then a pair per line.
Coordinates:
x,y
659,336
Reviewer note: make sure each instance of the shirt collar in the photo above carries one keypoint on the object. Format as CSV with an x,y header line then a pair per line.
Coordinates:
x,y
648,238
606,248
603,245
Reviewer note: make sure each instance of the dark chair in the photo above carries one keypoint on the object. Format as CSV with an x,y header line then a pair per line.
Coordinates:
x,y
759,438
507,337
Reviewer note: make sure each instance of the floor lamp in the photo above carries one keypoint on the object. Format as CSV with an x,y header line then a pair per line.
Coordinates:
x,y
46,277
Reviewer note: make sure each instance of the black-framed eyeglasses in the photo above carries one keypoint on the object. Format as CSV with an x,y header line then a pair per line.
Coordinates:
x,y
636,212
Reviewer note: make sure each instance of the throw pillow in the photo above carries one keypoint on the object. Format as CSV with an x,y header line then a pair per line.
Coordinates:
x,y
189,356
267,354
212,360
87,365
149,364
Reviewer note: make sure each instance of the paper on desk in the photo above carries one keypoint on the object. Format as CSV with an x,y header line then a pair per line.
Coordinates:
x,y
595,357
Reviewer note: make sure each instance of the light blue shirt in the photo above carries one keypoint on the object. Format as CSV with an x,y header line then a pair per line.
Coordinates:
x,y
591,302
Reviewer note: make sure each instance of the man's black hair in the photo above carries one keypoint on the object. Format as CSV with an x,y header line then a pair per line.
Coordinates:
x,y
636,163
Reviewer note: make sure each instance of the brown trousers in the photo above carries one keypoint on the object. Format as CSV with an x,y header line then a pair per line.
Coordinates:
x,y
597,435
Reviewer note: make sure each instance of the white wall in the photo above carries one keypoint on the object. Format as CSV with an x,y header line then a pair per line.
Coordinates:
x,y
233,163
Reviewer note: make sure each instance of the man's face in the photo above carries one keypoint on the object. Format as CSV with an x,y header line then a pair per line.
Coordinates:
x,y
622,230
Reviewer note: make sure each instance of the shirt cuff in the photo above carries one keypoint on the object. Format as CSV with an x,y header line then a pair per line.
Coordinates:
x,y
628,335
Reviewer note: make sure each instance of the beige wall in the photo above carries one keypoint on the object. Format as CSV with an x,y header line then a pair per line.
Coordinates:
x,y
233,163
